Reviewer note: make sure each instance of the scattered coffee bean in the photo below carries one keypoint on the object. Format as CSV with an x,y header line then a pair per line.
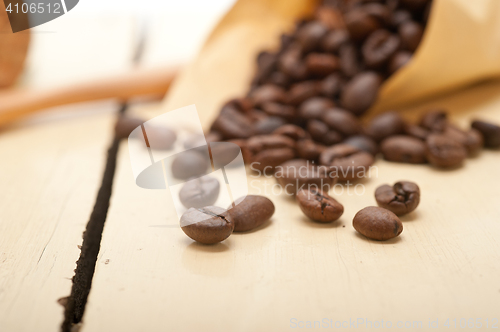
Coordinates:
x,y
250,212
364,143
268,93
360,23
404,149
190,164
472,140
342,121
294,132
333,40
443,151
208,225
416,131
379,47
309,150
300,92
231,124
269,151
314,108
319,206
377,223
411,33
268,125
346,162
297,174
199,192
401,198
361,92
330,86
490,131
320,64
435,120
385,125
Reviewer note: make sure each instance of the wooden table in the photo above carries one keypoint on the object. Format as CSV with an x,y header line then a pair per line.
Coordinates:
x,y
291,271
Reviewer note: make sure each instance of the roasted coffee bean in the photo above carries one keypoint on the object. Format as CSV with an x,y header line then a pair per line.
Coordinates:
x,y
296,174
379,11
250,212
342,121
125,125
321,64
330,86
268,93
233,124
404,149
320,132
379,47
309,150
294,132
319,206
290,63
243,105
300,92
346,162
268,151
415,5
279,78
199,192
349,60
361,92
208,225
266,64
333,40
314,107
385,125
401,198
377,223
189,164
268,125
330,17
364,143
410,33
416,131
310,35
399,17
472,140
280,110
443,151
360,23
490,131
398,61
435,120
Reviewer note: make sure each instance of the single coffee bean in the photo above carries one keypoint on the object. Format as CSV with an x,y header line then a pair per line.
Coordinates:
x,y
302,91
290,62
333,40
385,125
401,198
398,61
279,78
379,47
314,107
346,162
321,133
279,110
320,64
361,92
268,151
377,223
268,125
434,120
189,164
319,206
490,131
199,192
360,23
208,225
250,212
364,143
294,132
443,151
342,121
297,174
411,34
268,93
266,63
379,11
416,131
125,125
330,17
330,86
404,149
349,60
310,35
399,17
231,124
308,149
472,140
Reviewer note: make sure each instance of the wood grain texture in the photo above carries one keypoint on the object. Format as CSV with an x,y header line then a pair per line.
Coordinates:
x,y
50,174
151,276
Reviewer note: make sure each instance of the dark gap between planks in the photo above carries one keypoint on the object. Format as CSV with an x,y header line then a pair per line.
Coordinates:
x,y
85,266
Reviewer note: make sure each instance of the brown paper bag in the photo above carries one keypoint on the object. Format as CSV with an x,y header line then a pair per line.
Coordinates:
x,y
461,46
